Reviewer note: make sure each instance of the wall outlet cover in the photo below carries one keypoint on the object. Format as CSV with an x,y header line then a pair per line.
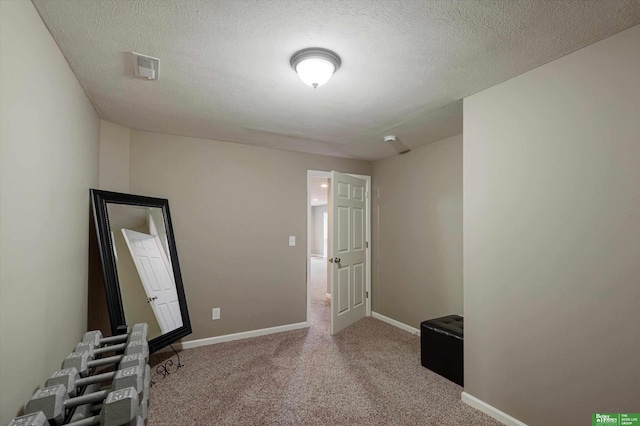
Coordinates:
x,y
215,313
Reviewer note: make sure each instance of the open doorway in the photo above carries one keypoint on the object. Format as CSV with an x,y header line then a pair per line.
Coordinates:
x,y
317,241
345,199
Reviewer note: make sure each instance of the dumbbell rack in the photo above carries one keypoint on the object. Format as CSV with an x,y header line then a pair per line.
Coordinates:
x,y
79,394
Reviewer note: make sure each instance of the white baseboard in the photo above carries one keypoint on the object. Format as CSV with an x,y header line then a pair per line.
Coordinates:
x,y
500,416
395,323
238,336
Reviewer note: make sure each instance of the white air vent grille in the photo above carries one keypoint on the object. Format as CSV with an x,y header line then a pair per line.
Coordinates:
x,y
146,66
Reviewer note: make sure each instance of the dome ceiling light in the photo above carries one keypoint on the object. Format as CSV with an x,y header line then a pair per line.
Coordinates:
x,y
315,65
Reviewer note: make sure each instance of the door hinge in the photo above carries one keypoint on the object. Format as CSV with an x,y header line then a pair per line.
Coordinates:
x,y
366,244
367,195
367,293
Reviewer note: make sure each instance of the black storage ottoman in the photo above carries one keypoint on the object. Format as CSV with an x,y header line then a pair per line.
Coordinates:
x,y
441,347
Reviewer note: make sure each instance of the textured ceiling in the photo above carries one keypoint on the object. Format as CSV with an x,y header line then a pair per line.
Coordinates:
x,y
225,74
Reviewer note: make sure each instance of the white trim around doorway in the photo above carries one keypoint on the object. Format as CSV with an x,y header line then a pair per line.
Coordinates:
x,y
324,174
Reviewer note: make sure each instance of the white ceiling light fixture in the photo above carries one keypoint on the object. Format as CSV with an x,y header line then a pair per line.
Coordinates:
x,y
315,65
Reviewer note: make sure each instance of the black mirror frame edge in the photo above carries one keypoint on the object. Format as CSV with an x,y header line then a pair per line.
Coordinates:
x,y
99,200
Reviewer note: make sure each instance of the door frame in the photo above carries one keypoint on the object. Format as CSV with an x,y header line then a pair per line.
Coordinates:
x,y
327,174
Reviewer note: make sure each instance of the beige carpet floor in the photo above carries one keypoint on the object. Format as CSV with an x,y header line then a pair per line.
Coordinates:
x,y
368,374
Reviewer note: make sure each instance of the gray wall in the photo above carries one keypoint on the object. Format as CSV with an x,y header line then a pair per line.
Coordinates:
x,y
233,255
49,136
417,230
114,157
552,237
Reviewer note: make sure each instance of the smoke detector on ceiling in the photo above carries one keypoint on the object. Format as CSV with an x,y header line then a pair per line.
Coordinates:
x,y
146,66
397,144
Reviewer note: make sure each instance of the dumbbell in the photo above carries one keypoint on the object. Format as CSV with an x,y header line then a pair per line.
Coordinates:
x,y
54,400
71,380
120,408
70,377
93,341
96,338
82,360
88,410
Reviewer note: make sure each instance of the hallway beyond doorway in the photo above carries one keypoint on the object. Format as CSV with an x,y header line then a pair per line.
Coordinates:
x,y
320,303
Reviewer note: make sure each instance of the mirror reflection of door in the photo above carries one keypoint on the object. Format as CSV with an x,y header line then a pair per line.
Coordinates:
x,y
137,281
155,216
155,273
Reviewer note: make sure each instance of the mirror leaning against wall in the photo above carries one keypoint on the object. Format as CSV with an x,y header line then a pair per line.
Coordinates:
x,y
140,265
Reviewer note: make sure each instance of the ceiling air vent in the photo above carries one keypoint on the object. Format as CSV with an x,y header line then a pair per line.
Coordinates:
x,y
146,66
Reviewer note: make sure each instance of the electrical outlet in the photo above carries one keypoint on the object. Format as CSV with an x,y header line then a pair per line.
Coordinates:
x,y
215,314
292,240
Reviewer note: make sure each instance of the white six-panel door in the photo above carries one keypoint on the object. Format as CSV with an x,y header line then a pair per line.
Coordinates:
x,y
156,278
348,250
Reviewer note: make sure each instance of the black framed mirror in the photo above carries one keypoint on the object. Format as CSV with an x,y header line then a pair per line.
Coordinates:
x,y
140,265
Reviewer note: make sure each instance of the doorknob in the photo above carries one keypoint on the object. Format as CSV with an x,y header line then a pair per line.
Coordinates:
x,y
151,299
334,260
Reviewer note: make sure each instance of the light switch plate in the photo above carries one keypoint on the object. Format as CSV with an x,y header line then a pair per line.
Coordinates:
x,y
292,240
